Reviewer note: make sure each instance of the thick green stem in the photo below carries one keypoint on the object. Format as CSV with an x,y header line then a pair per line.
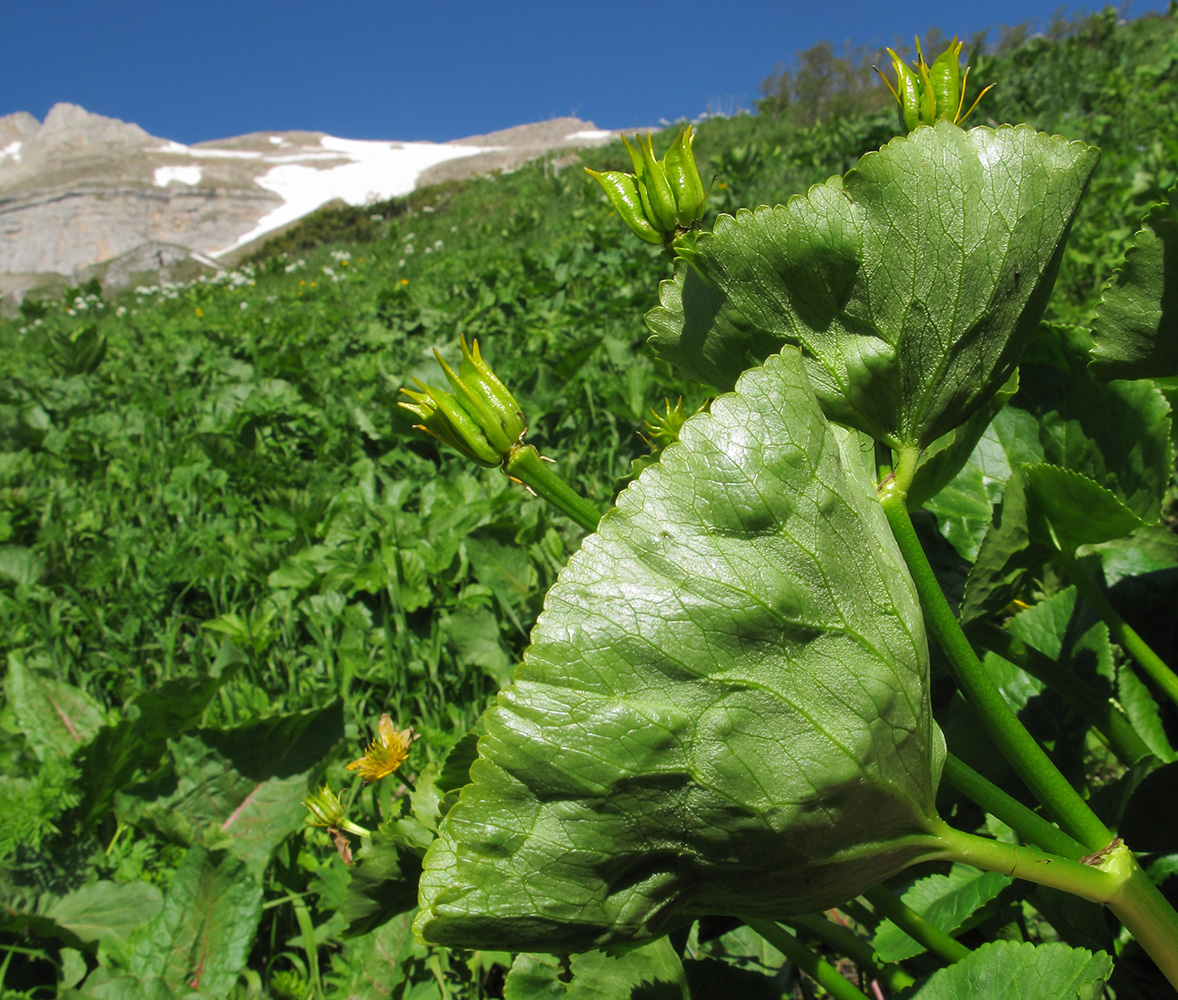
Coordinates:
x,y
1110,876
1028,759
1102,714
1100,884
1118,628
821,971
921,931
1150,918
846,942
1032,827
525,465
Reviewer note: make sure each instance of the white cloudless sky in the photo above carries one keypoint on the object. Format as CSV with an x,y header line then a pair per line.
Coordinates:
x,y
437,69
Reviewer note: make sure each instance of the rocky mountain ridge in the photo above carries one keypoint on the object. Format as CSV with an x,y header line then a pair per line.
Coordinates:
x,y
81,189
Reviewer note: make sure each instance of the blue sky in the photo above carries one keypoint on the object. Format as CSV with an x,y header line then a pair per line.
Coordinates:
x,y
435,69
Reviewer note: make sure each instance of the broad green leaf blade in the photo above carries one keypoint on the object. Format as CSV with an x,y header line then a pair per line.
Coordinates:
x,y
1007,970
1045,509
1136,325
965,506
1116,434
55,717
652,972
383,883
724,708
249,781
944,459
106,909
117,754
1006,556
535,977
1070,510
945,900
202,937
372,966
911,285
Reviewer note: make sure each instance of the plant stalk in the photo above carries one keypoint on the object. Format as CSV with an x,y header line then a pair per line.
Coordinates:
x,y
1102,714
821,971
1028,759
1029,825
524,465
917,927
847,942
1150,918
1118,628
1101,880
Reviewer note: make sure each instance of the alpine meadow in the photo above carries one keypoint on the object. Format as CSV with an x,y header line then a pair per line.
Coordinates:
x,y
738,561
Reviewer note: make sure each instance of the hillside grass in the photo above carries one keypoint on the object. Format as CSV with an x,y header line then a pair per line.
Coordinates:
x,y
231,491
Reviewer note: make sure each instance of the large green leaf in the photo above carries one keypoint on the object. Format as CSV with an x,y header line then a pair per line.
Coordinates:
x,y
249,781
947,901
1136,326
202,937
56,718
1007,970
652,972
724,708
1116,434
911,285
106,909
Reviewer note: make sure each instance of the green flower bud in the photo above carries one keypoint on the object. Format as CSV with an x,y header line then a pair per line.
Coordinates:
x,y
622,191
658,189
944,77
931,93
662,199
475,373
690,196
481,418
906,91
442,417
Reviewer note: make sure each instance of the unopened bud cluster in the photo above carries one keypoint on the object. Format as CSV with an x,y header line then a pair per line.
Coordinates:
x,y
662,198
480,418
930,93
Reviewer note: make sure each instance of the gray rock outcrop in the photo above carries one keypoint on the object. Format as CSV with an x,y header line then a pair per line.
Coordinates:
x,y
79,188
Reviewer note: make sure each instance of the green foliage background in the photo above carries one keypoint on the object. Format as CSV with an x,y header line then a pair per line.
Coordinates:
x,y
224,553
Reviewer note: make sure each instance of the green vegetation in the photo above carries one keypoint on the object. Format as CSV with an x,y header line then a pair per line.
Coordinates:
x,y
225,554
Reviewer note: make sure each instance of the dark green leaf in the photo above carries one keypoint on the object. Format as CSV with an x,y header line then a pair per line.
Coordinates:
x,y
202,937
55,717
1117,434
383,883
965,506
248,782
1006,970
106,909
947,901
1136,326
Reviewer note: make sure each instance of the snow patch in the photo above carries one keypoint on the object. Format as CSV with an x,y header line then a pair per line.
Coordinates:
x,y
377,171
11,151
591,134
180,175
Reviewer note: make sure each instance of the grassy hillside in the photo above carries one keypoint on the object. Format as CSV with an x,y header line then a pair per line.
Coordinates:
x,y
216,525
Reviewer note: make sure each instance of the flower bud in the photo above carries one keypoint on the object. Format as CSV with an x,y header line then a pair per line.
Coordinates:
x,y
931,93
662,199
622,191
480,418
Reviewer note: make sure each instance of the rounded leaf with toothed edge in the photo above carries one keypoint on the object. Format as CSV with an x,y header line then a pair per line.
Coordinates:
x,y
724,708
911,285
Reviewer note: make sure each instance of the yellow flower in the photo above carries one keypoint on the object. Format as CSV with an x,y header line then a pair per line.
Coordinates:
x,y
386,753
